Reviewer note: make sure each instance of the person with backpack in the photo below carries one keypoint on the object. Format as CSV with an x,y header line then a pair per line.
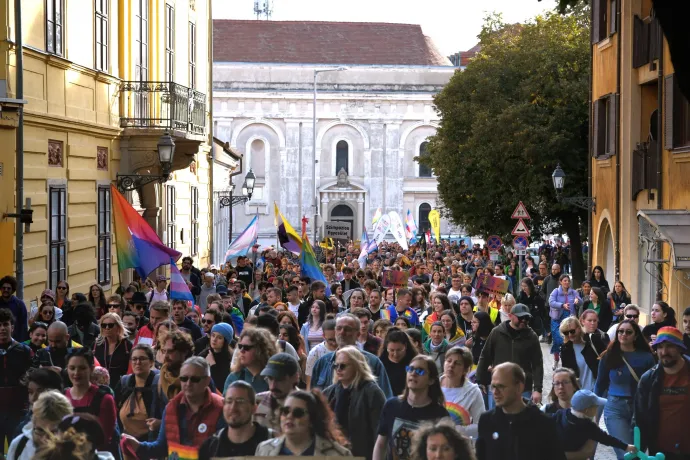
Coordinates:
x,y
134,395
48,411
96,400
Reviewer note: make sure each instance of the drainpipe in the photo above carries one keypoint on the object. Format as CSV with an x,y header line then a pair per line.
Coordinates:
x,y
589,161
211,213
385,139
19,237
299,173
660,151
619,146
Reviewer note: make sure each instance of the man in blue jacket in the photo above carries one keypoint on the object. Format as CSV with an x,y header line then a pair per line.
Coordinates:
x,y
8,286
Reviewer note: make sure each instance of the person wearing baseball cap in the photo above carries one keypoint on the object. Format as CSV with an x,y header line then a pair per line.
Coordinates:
x,y
282,374
576,428
665,389
514,341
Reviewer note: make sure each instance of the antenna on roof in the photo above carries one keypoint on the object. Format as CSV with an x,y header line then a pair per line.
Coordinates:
x,y
263,8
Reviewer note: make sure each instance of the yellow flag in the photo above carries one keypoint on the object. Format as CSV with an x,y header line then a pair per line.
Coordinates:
x,y
435,221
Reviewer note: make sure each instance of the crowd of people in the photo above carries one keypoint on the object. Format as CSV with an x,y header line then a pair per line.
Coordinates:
x,y
269,362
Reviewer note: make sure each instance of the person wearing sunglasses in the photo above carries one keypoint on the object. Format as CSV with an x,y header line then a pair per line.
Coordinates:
x,y
514,341
115,304
422,400
282,374
254,349
621,366
189,419
8,286
356,400
309,429
631,312
580,353
112,347
48,411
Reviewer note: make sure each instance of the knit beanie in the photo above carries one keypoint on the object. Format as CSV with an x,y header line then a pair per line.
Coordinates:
x,y
225,330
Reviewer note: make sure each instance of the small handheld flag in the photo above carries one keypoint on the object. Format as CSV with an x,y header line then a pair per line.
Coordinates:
x,y
244,241
178,285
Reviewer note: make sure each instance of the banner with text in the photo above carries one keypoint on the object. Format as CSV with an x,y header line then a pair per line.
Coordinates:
x,y
337,230
492,284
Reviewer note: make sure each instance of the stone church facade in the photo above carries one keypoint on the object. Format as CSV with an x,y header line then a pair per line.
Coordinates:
x,y
373,117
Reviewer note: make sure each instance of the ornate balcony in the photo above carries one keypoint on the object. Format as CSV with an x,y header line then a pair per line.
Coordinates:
x,y
164,105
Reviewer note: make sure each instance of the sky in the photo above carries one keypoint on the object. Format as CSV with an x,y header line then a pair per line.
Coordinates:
x,y
453,25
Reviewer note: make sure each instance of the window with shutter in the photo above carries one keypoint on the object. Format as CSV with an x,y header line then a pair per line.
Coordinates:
x,y
611,125
668,112
652,164
599,13
613,16
640,42
638,169
676,116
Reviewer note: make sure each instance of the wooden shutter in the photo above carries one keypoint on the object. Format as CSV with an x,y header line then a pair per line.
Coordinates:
x,y
613,17
654,39
638,170
652,164
669,89
599,128
597,16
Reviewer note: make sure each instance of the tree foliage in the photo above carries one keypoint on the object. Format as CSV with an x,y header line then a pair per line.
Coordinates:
x,y
519,108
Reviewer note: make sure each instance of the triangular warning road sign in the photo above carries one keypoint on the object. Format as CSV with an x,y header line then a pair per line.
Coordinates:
x,y
520,229
520,212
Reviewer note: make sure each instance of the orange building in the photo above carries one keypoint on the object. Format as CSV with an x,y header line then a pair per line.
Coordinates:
x,y
640,145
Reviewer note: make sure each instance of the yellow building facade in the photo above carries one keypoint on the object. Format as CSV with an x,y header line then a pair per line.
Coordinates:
x,y
640,157
103,81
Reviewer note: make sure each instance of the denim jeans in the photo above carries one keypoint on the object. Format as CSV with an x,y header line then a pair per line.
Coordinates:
x,y
556,336
618,414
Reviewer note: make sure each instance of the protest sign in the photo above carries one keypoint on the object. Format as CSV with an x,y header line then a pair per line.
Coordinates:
x,y
395,278
492,284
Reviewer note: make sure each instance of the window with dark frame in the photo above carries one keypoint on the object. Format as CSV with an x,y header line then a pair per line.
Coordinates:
x,y
195,221
101,35
604,126
676,116
169,42
141,55
57,235
104,236
171,214
342,152
424,170
54,27
192,55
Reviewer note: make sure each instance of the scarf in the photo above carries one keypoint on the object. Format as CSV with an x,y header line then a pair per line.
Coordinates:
x,y
169,384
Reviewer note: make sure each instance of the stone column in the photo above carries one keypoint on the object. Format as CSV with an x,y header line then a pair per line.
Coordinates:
x,y
325,200
360,218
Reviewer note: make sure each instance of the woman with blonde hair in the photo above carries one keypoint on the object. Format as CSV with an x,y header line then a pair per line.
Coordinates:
x,y
47,412
580,351
112,348
507,302
356,400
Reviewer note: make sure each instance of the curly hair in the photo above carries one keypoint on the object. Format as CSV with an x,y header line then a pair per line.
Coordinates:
x,y
181,342
322,418
462,448
70,445
265,346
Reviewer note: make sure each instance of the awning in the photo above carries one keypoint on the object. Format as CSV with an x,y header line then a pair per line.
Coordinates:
x,y
669,226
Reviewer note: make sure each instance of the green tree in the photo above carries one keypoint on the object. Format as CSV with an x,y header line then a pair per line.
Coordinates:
x,y
517,110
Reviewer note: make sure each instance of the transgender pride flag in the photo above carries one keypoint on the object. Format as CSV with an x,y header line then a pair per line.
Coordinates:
x,y
178,286
410,228
244,241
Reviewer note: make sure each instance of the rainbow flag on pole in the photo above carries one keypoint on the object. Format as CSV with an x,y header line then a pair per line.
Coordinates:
x,y
138,246
178,286
309,265
244,241
288,237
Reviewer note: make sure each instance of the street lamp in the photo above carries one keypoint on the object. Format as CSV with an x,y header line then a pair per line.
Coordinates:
x,y
166,153
584,202
247,192
316,161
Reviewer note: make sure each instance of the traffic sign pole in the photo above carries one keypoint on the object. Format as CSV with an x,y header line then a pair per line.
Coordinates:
x,y
521,232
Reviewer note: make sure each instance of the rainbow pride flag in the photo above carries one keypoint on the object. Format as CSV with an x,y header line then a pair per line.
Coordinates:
x,y
309,265
180,452
288,237
138,246
244,241
178,286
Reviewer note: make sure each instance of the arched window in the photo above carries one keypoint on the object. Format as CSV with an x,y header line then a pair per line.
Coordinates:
x,y
424,210
424,170
342,150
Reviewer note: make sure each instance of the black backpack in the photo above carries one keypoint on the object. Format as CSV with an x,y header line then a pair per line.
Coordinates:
x,y
21,445
95,409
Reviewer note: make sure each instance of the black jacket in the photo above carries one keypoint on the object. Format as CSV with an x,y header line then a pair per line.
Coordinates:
x,y
305,308
528,435
90,335
569,359
366,404
16,360
116,364
605,312
535,302
523,350
353,284
210,448
646,411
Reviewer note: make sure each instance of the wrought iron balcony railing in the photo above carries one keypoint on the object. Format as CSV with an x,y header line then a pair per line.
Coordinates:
x,y
160,104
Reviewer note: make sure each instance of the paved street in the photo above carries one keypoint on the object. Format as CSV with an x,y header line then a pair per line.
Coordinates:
x,y
603,452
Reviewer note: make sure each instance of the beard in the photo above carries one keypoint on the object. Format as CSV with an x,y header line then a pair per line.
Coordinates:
x,y
239,423
669,362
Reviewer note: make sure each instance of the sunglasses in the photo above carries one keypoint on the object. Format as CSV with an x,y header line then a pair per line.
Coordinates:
x,y
419,371
340,367
297,412
107,325
632,316
139,307
244,347
140,360
625,332
207,321
570,332
114,305
62,287
525,318
193,378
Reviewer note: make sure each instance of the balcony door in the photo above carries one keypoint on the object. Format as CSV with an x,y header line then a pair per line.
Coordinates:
x,y
141,60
